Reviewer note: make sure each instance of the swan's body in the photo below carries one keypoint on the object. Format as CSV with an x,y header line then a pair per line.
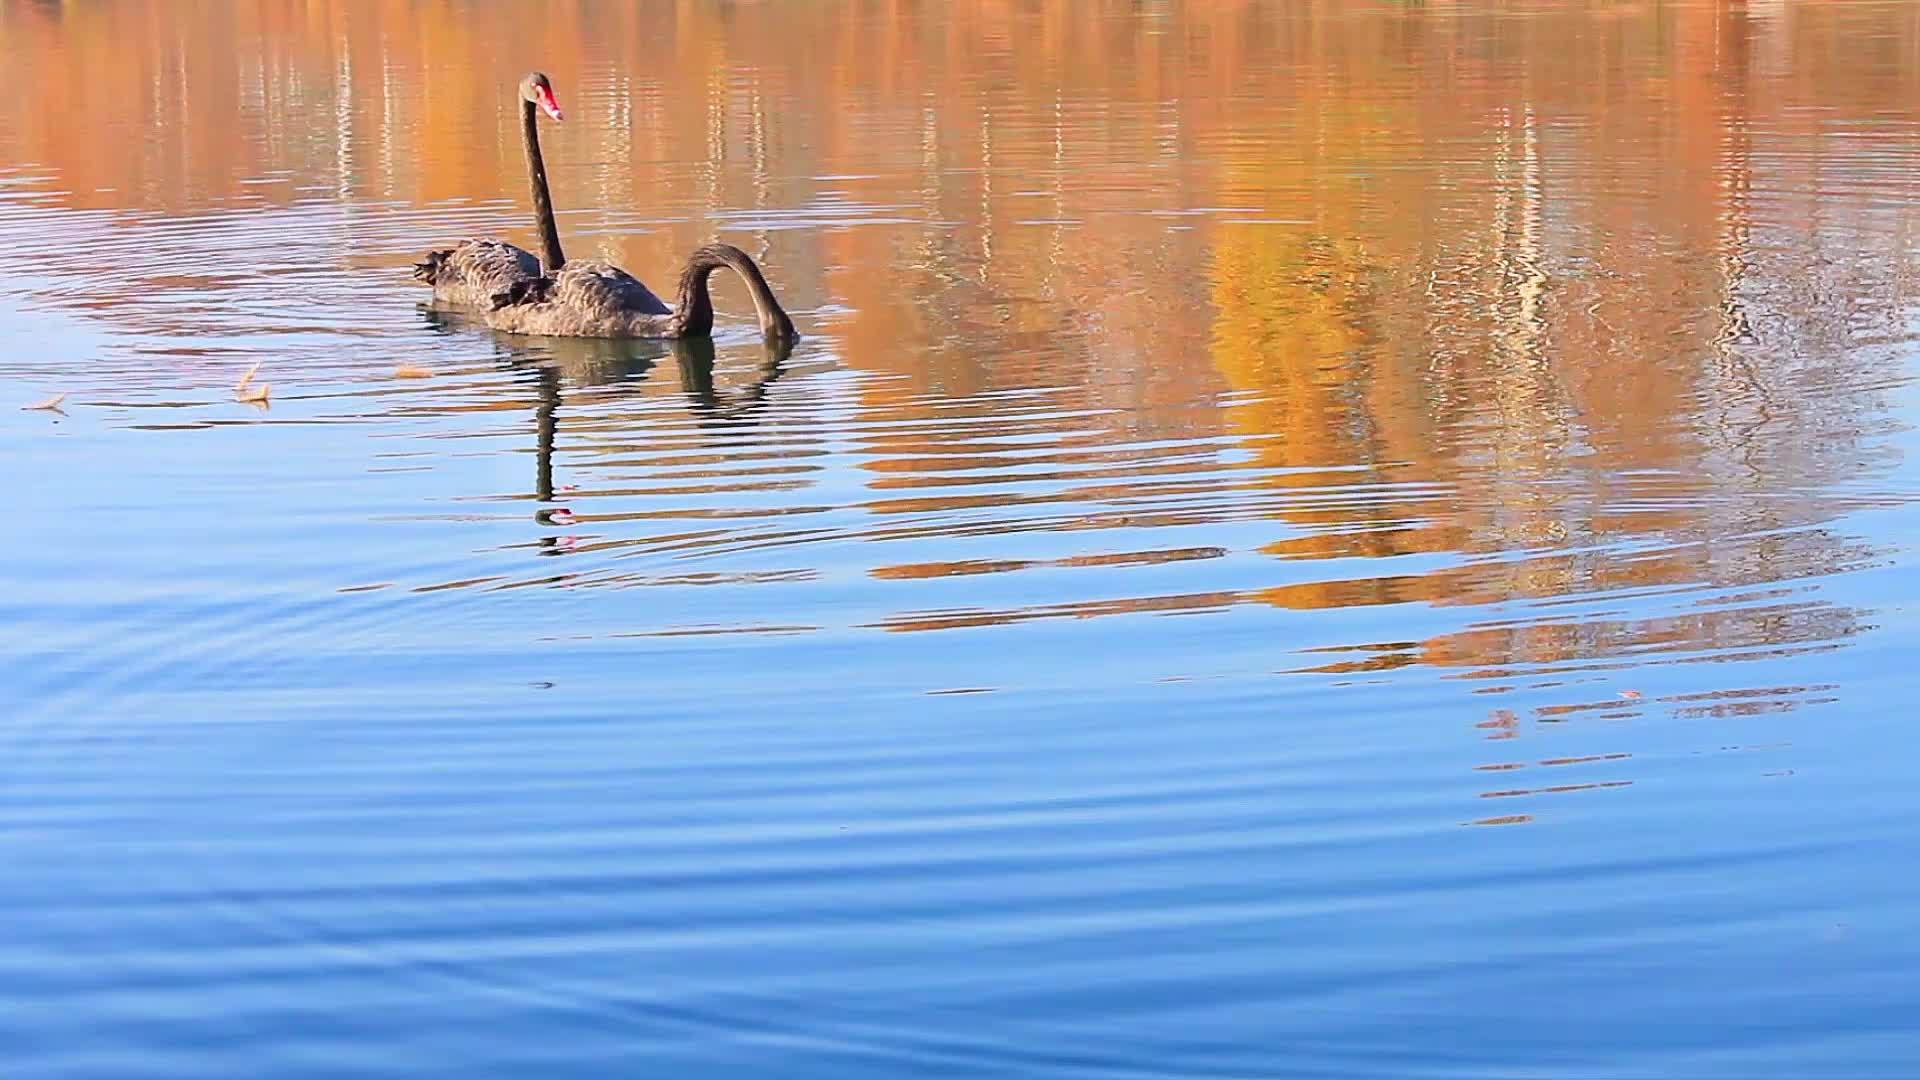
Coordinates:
x,y
594,299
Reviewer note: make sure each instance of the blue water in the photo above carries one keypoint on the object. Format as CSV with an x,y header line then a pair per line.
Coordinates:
x,y
1503,679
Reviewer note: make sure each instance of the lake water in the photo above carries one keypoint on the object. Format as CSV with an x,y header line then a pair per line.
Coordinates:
x,y
1301,540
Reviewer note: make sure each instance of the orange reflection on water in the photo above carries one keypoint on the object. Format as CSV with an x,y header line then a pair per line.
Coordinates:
x,y
1458,307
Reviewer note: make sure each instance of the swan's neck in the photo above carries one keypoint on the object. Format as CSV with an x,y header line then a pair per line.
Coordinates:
x,y
694,313
550,252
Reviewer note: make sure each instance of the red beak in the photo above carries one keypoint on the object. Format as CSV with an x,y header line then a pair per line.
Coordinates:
x,y
547,102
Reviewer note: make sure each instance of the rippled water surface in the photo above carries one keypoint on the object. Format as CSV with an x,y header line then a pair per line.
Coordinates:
x,y
1300,540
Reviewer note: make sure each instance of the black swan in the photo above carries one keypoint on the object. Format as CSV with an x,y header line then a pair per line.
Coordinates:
x,y
472,272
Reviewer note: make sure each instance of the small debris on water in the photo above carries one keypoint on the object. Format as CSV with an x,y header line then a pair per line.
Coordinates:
x,y
409,371
52,404
240,388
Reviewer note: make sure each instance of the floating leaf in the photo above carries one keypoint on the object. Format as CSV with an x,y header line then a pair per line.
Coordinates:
x,y
52,404
247,378
408,371
256,395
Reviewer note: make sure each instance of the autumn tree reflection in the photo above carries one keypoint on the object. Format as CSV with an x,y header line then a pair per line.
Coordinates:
x,y
1419,304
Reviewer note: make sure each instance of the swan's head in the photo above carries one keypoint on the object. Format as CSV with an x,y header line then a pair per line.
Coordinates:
x,y
537,89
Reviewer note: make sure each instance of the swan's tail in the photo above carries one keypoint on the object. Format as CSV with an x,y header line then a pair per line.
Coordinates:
x,y
430,268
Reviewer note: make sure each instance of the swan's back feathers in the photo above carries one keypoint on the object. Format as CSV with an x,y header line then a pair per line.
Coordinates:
x,y
585,299
604,290
471,272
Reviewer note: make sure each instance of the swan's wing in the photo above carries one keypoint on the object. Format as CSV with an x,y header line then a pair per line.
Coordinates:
x,y
600,289
484,266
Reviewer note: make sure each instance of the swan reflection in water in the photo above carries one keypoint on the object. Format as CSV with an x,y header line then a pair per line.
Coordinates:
x,y
609,362
620,363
